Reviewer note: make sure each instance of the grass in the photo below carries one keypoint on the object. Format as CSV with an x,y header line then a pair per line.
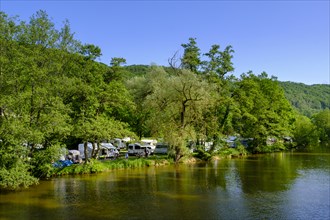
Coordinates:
x,y
98,166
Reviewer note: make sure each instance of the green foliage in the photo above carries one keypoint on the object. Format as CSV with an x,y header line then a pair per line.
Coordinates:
x,y
305,133
263,110
322,122
307,99
201,154
191,57
241,149
42,160
181,99
96,166
137,70
16,177
268,148
228,152
51,90
219,62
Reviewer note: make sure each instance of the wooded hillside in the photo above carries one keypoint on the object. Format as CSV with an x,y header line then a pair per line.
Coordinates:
x,y
307,99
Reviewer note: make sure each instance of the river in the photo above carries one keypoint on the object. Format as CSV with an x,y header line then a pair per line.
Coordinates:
x,y
273,186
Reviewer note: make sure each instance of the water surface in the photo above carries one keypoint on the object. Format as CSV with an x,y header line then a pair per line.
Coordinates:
x,y
274,186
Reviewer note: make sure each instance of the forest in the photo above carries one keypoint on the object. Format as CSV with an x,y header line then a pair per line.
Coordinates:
x,y
54,94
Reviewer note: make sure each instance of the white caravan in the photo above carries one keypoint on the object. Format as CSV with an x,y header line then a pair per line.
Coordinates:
x,y
106,150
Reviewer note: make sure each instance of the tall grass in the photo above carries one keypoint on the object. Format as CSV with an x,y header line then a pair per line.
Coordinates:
x,y
98,166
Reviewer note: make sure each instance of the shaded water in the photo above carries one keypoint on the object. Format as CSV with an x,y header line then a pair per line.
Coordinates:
x,y
275,186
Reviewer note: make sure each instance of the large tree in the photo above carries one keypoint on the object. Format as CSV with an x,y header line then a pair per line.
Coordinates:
x,y
263,110
175,105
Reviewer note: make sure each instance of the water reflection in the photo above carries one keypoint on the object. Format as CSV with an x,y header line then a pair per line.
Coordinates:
x,y
275,186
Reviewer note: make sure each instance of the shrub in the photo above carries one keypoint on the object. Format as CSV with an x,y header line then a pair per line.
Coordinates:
x,y
16,177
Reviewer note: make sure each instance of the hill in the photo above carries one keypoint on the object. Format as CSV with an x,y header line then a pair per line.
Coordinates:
x,y
307,99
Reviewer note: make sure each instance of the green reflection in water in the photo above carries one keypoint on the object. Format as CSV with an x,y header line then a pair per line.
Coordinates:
x,y
274,186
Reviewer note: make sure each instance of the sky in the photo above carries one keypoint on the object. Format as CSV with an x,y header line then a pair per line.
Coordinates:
x,y
286,39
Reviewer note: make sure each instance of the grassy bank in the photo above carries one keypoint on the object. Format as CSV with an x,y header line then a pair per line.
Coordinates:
x,y
98,166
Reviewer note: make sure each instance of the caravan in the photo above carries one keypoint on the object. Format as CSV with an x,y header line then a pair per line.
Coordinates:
x,y
107,150
161,148
149,143
119,143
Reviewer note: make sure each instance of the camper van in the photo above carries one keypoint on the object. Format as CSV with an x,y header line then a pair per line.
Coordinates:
x,y
107,150
138,149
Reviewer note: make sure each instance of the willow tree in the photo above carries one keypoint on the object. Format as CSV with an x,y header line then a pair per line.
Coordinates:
x,y
176,104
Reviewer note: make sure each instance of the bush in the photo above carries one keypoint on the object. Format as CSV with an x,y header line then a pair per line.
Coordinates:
x,y
228,152
16,177
203,155
42,161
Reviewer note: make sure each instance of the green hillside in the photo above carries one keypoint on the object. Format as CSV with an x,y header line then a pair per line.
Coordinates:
x,y
307,99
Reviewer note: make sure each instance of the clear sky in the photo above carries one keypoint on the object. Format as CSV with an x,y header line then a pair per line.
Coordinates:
x,y
287,39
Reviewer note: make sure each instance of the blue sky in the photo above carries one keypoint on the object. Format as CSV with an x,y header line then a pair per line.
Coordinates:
x,y
287,39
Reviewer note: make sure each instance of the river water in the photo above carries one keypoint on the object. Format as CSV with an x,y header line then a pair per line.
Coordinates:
x,y
273,186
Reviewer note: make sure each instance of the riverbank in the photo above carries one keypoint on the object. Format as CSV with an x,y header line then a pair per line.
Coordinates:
x,y
99,166
104,165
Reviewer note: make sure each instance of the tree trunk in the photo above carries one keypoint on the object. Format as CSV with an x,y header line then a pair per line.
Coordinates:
x,y
86,152
94,150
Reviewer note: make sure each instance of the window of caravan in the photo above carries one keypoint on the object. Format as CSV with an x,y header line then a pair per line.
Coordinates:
x,y
137,147
130,147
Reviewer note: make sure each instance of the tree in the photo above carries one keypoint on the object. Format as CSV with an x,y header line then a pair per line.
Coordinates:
x,y
181,99
305,132
191,56
322,121
263,110
116,71
220,62
90,51
32,115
